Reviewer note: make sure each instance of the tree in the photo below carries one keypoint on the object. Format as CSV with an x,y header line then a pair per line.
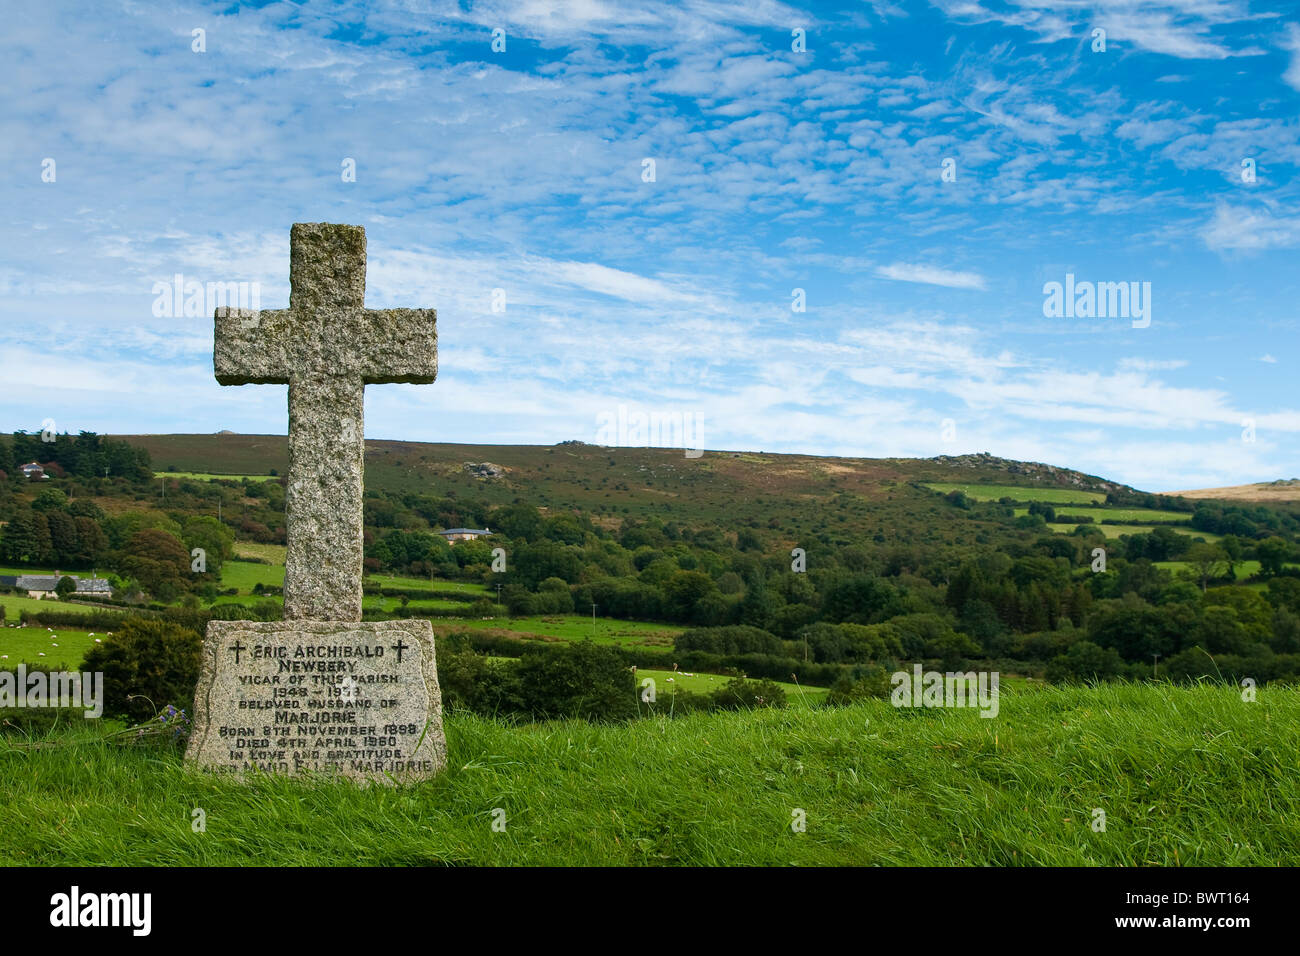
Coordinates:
x,y
1085,661
1231,546
1208,561
1272,554
860,599
65,587
158,561
577,680
147,665
50,499
216,540
63,536
683,590
27,539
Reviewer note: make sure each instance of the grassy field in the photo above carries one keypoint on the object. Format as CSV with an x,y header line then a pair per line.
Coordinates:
x,y
273,553
1051,496
1191,777
1122,515
245,575
60,646
416,604
1243,569
13,605
437,585
665,681
208,476
570,627
1118,530
1262,493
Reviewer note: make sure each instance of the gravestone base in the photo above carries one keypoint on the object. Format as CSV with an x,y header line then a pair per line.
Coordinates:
x,y
359,700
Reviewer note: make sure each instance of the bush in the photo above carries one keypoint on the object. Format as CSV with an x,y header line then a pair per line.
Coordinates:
x,y
576,680
873,683
38,721
742,694
470,682
147,664
1085,661
730,640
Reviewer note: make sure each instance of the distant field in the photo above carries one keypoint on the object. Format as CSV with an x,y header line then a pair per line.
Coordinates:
x,y
437,585
208,476
1263,492
13,604
245,575
16,571
248,600
25,645
1243,569
571,627
665,681
1115,530
267,552
1124,515
415,604
1051,496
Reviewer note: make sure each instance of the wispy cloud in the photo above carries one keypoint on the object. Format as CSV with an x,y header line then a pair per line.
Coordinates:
x,y
932,275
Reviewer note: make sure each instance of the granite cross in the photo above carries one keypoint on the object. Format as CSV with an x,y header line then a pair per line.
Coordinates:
x,y
327,347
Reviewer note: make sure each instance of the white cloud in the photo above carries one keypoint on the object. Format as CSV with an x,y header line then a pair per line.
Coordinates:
x,y
1292,43
1151,365
931,275
1234,227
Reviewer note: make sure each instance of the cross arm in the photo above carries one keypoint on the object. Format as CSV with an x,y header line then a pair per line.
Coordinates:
x,y
252,347
401,345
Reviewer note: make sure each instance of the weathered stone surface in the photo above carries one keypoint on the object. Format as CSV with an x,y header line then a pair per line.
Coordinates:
x,y
314,697
327,347
274,695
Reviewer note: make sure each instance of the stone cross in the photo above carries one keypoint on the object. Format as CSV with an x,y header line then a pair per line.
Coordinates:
x,y
327,347
321,692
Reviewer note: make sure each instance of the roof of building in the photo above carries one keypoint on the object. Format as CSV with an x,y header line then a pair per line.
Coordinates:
x,y
48,582
465,531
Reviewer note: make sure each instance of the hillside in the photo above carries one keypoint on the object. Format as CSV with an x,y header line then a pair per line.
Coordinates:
x,y
828,566
1265,492
759,489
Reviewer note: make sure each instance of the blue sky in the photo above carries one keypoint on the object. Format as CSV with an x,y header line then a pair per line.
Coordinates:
x,y
924,331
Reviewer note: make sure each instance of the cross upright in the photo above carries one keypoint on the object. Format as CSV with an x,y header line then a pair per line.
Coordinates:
x,y
327,346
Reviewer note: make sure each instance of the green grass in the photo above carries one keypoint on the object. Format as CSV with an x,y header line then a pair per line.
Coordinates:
x,y
416,604
424,584
17,571
1185,777
208,476
1051,496
245,575
25,645
274,553
572,627
1116,530
248,600
1122,515
1243,569
13,605
796,696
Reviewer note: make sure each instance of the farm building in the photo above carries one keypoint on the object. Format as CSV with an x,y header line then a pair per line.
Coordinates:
x,y
44,585
464,534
